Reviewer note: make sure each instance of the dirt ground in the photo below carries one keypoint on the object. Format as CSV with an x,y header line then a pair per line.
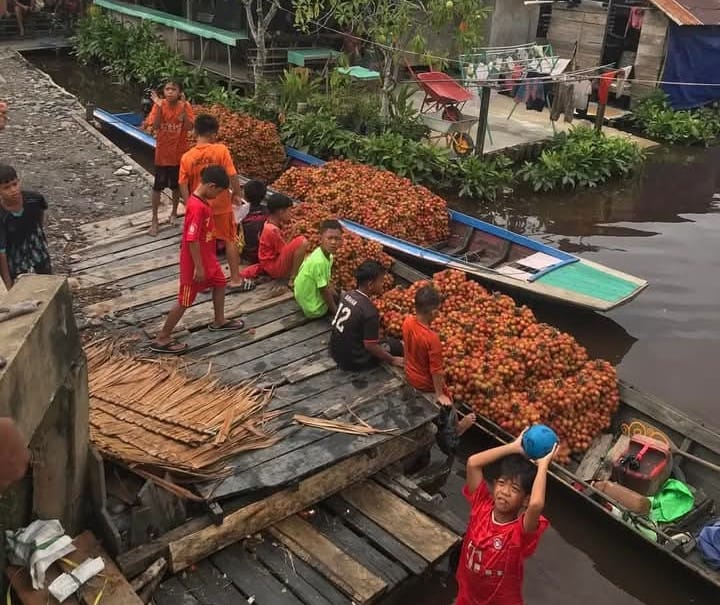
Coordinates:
x,y
58,155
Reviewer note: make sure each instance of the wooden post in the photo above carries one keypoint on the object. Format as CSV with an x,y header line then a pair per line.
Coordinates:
x,y
483,120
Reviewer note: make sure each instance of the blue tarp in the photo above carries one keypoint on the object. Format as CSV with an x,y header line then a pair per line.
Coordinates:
x,y
693,55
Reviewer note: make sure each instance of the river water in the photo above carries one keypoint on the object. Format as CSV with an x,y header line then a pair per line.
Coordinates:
x,y
663,225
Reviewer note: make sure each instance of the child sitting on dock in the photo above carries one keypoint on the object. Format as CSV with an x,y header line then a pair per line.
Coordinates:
x,y
199,267
313,288
423,352
505,525
206,152
279,259
23,245
170,120
355,342
253,222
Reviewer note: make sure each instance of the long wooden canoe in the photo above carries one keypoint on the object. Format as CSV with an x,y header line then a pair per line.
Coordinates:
x,y
490,253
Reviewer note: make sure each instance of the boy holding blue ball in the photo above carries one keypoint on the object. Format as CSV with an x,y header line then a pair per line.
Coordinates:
x,y
505,524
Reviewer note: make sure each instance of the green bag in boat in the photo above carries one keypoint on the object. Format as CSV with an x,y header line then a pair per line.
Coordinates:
x,y
672,502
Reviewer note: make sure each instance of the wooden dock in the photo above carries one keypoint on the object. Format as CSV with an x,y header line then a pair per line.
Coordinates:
x,y
360,543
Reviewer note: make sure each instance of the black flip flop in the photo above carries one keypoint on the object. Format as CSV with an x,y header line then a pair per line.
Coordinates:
x,y
171,348
231,325
246,286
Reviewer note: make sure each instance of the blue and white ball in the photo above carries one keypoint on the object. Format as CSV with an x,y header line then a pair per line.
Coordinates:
x,y
538,441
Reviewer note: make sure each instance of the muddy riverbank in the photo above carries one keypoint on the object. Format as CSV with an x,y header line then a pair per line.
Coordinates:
x,y
583,558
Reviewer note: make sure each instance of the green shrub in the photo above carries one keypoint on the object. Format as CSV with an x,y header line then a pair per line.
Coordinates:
x,y
318,134
482,178
657,120
581,157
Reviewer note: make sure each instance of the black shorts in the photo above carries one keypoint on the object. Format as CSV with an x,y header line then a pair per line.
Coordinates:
x,y
166,177
390,345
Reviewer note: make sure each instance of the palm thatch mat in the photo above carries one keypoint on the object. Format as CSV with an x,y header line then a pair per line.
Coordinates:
x,y
149,415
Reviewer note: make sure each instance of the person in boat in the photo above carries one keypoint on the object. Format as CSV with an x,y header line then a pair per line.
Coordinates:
x,y
279,259
423,352
505,525
14,454
355,342
208,151
314,291
199,266
253,222
23,245
171,120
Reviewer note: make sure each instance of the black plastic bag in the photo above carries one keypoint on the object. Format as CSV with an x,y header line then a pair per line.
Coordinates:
x,y
447,435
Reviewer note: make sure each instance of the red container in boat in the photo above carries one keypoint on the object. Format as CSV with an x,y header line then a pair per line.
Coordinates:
x,y
644,466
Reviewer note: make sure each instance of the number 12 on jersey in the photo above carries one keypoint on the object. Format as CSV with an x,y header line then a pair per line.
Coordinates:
x,y
341,316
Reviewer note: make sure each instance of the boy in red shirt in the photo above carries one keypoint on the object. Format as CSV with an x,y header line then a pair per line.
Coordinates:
x,y
423,352
206,152
505,525
278,258
170,120
199,267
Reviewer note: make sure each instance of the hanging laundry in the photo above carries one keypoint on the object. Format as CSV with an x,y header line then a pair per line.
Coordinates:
x,y
536,97
622,77
604,86
581,94
636,17
563,102
481,72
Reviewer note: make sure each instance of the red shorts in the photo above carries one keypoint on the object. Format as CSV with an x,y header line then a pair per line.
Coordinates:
x,y
280,267
225,227
214,278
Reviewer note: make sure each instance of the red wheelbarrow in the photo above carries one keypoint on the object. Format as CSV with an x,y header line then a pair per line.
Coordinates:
x,y
441,110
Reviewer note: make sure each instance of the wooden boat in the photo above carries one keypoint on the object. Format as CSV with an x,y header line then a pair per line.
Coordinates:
x,y
639,414
492,254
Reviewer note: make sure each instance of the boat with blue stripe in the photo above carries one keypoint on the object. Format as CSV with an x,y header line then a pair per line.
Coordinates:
x,y
485,251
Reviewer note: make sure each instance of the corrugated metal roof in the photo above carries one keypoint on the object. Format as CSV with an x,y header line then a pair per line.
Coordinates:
x,y
690,12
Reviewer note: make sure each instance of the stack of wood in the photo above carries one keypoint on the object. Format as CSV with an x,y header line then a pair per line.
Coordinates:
x,y
149,415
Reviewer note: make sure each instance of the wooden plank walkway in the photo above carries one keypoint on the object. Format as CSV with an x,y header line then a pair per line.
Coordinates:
x,y
280,348
332,554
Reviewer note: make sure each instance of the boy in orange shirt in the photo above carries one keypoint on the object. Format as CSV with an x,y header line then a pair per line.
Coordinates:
x,y
170,120
206,152
423,352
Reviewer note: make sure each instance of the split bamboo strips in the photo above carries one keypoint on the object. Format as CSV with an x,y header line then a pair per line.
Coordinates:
x,y
151,416
338,426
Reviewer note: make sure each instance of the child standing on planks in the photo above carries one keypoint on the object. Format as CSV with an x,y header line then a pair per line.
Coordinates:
x,y
423,352
505,524
199,267
170,120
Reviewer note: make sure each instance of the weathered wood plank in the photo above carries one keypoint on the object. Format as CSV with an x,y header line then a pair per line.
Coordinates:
x,y
415,529
107,274
137,251
191,548
594,457
376,535
313,449
357,547
312,587
311,546
131,299
172,592
270,361
252,578
123,240
158,275
208,585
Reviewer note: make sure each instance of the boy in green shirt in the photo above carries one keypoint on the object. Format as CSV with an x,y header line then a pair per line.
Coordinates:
x,y
313,290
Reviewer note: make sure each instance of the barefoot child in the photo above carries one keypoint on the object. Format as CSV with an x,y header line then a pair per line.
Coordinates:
x,y
355,342
314,291
199,267
23,245
505,525
170,120
423,352
205,152
280,259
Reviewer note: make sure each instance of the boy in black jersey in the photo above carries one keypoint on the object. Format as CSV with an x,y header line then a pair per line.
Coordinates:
x,y
355,342
254,221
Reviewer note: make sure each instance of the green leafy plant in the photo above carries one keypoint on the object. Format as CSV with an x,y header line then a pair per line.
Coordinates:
x,y
296,86
657,120
482,178
581,157
319,134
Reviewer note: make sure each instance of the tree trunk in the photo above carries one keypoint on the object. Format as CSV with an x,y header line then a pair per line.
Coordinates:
x,y
388,84
258,22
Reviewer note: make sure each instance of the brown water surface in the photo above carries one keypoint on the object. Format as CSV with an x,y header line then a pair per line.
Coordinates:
x,y
664,226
